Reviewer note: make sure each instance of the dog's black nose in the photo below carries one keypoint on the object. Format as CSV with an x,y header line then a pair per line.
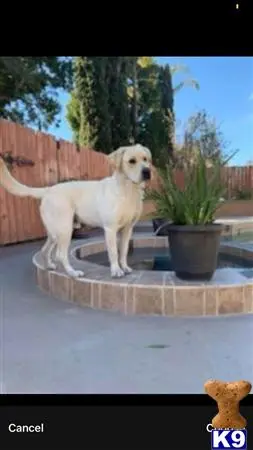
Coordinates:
x,y
146,174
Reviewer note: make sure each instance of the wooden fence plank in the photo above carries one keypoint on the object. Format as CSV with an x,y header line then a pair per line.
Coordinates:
x,y
24,221
68,161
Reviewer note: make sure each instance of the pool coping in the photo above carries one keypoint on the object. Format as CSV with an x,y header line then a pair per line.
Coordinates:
x,y
146,292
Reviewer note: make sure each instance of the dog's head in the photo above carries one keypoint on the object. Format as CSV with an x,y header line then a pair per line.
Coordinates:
x,y
133,161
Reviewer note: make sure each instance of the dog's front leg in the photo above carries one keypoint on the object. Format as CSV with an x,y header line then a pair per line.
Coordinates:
x,y
125,237
111,244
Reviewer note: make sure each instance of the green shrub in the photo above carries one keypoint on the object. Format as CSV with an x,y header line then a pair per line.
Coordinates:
x,y
197,203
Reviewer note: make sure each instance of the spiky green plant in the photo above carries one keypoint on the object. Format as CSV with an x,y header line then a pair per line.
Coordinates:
x,y
197,203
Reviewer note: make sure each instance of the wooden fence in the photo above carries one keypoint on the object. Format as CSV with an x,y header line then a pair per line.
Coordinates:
x,y
53,161
38,159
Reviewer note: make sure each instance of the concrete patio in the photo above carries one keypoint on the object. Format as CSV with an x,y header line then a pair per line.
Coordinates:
x,y
49,346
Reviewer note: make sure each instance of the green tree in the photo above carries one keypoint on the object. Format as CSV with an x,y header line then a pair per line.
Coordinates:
x,y
202,134
89,103
98,111
151,95
118,69
29,88
73,116
136,103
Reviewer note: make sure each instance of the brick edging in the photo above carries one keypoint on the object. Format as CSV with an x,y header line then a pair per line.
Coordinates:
x,y
155,294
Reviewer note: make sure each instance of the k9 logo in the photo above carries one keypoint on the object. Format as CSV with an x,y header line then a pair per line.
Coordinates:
x,y
227,439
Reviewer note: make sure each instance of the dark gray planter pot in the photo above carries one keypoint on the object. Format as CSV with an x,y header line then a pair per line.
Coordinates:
x,y
194,250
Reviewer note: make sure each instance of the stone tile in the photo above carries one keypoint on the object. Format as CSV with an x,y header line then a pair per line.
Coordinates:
x,y
168,300
112,297
248,298
210,303
189,301
230,300
80,264
178,282
129,299
149,277
95,289
92,248
95,248
100,247
131,278
227,276
43,279
161,242
60,286
144,242
84,251
98,272
168,278
81,292
129,294
148,300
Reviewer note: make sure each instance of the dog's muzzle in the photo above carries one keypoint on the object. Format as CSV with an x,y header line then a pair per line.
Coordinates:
x,y
146,173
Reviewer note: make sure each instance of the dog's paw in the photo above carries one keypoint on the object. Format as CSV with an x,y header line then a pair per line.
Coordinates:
x,y
75,273
117,272
127,269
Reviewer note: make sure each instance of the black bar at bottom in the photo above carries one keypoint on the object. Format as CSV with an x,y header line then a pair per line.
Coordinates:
x,y
113,422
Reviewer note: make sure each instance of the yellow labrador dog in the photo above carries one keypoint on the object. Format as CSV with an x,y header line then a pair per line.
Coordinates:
x,y
114,203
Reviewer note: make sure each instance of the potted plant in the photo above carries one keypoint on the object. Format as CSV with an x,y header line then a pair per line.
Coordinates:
x,y
194,238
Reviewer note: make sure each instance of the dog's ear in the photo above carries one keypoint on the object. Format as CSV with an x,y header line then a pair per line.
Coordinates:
x,y
148,153
115,158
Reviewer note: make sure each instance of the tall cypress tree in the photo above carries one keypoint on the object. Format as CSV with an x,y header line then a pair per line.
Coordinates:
x,y
155,118
91,91
133,96
167,107
101,96
117,73
83,75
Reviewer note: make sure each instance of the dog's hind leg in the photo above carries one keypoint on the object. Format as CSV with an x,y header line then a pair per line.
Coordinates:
x,y
125,236
111,244
63,242
47,251
57,216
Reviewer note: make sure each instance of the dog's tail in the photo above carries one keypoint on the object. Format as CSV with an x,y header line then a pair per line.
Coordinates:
x,y
14,187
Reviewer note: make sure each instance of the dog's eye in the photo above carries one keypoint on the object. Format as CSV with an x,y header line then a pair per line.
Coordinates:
x,y
132,161
144,159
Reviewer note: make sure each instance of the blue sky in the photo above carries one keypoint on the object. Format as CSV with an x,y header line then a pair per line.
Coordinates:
x,y
226,93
